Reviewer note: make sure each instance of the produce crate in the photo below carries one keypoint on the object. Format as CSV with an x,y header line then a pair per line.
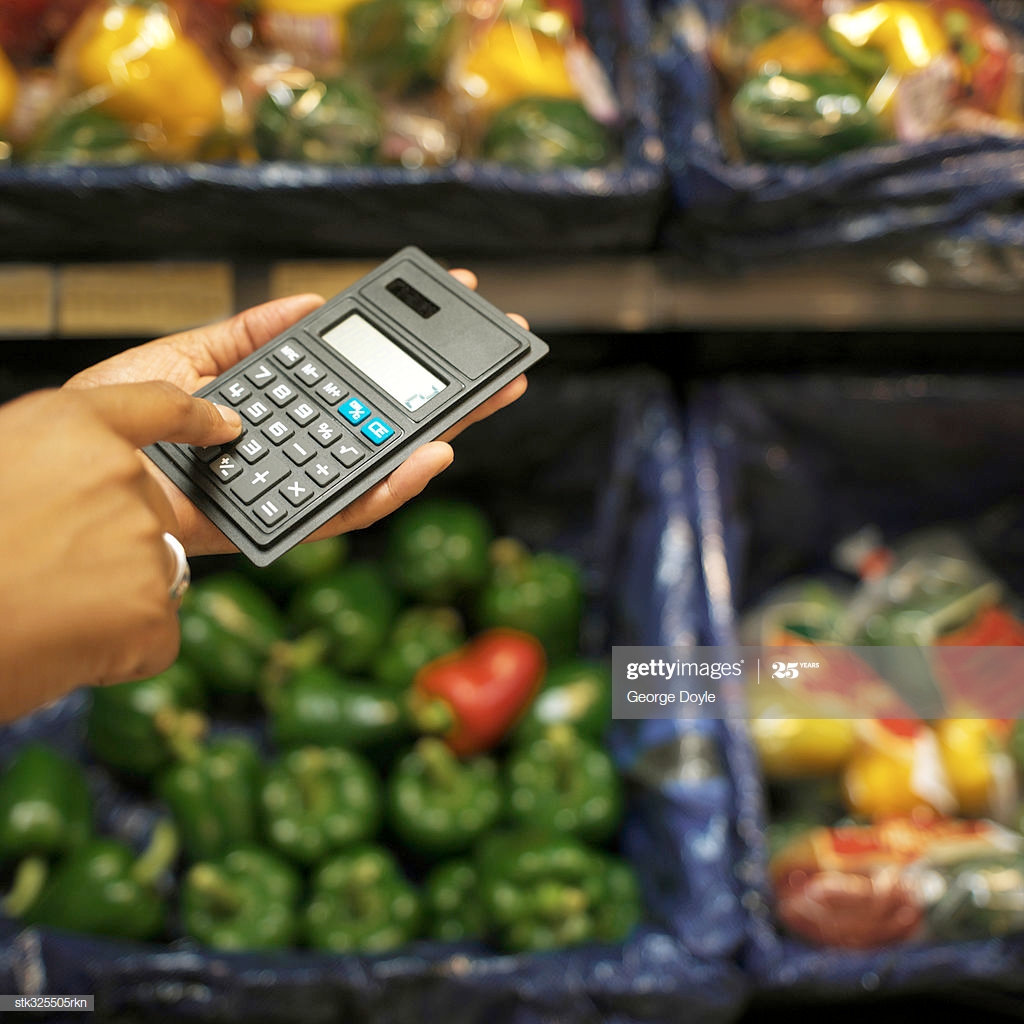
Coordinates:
x,y
748,211
290,210
589,466
788,467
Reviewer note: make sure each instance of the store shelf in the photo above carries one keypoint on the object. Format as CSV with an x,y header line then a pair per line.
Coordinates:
x,y
639,293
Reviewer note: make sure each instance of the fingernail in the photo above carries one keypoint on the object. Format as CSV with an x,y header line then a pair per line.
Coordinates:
x,y
229,416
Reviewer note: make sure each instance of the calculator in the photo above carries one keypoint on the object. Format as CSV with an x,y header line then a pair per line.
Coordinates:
x,y
335,403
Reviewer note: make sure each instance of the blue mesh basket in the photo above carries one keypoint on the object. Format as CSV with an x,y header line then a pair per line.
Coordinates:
x,y
291,210
746,211
786,467
591,466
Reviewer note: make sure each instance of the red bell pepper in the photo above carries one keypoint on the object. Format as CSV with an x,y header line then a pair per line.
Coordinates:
x,y
473,696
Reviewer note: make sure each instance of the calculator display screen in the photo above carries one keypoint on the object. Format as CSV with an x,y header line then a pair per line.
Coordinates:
x,y
410,383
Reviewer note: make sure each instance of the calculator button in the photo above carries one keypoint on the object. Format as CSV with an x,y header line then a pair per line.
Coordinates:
x,y
260,375
256,412
252,449
282,393
271,510
354,410
326,432
303,413
378,431
278,431
301,450
309,372
298,490
322,472
227,467
333,391
258,480
348,453
288,355
235,392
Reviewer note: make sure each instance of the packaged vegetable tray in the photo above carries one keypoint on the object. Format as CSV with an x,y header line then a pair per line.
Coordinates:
x,y
605,489
789,468
308,183
887,147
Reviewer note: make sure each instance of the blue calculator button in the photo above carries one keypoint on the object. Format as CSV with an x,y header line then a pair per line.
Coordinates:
x,y
354,410
377,430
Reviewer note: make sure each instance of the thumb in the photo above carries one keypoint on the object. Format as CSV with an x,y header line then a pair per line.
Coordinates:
x,y
158,411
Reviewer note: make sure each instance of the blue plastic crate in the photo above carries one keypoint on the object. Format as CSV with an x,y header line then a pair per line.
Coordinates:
x,y
747,211
603,481
784,468
291,210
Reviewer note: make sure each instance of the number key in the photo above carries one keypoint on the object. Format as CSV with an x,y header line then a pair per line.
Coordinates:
x,y
303,413
252,449
279,431
235,392
256,412
260,375
282,393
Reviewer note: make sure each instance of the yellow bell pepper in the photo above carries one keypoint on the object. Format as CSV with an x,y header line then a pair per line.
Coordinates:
x,y
908,34
147,72
795,50
8,88
971,749
799,747
896,770
512,60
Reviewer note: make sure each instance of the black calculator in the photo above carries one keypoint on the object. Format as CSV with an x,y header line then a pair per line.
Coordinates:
x,y
339,400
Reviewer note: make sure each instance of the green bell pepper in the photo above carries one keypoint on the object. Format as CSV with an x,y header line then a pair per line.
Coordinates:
x,y
804,117
319,708
213,795
439,805
102,888
437,550
418,636
352,609
541,133
330,121
86,137
45,805
316,801
563,783
362,903
399,45
247,899
576,693
452,904
132,726
541,892
229,628
538,594
302,564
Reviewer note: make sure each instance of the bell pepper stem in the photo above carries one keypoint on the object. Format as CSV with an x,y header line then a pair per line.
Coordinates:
x,y
509,556
159,855
431,715
286,658
207,880
309,774
29,879
439,762
563,746
183,729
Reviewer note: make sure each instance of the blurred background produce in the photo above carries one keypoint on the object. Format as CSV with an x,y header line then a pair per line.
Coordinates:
x,y
409,82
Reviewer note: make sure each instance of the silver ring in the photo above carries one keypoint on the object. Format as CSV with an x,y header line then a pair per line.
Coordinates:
x,y
182,572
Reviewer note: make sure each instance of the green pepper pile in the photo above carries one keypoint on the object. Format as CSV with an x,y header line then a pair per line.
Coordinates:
x,y
354,754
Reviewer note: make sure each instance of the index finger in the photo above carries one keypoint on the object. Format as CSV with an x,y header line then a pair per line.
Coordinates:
x,y
157,411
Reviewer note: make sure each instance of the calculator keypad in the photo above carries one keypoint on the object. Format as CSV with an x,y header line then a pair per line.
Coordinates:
x,y
305,430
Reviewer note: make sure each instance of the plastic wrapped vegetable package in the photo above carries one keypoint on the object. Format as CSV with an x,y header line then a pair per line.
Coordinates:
x,y
797,127
305,153
790,468
618,507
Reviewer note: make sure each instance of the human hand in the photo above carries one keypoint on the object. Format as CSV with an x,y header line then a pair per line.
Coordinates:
x,y
194,358
85,576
